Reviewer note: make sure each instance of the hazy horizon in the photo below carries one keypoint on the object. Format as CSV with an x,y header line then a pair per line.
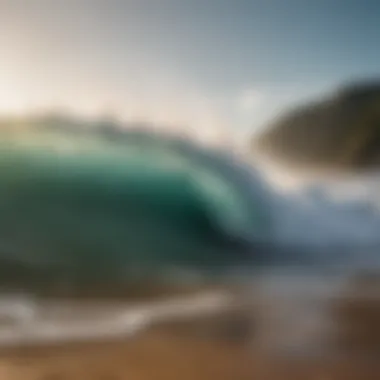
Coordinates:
x,y
209,67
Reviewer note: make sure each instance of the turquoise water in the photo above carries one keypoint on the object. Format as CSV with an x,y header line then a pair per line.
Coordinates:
x,y
84,206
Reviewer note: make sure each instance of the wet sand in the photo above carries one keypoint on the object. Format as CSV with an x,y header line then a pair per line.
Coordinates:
x,y
215,347
162,355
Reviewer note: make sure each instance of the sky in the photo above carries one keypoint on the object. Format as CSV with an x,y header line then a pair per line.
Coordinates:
x,y
207,65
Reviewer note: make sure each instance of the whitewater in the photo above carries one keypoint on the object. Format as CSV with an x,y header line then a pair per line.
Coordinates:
x,y
309,244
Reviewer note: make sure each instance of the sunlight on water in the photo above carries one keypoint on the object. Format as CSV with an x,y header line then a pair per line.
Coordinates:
x,y
79,207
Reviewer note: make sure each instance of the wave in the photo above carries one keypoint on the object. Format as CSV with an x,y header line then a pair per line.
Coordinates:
x,y
90,203
83,205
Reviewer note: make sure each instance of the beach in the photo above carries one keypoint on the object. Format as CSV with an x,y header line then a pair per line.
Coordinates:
x,y
219,344
165,355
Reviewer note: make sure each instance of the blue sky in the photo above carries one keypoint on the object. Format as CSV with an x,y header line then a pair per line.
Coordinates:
x,y
205,64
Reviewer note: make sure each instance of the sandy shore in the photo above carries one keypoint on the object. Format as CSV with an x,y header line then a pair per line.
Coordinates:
x,y
208,348
162,355
214,347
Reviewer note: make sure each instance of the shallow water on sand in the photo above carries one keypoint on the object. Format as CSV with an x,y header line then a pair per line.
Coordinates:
x,y
292,312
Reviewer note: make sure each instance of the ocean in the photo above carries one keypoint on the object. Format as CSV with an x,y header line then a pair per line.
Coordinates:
x,y
89,215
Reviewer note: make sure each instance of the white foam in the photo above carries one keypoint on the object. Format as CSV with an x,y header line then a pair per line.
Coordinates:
x,y
124,321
